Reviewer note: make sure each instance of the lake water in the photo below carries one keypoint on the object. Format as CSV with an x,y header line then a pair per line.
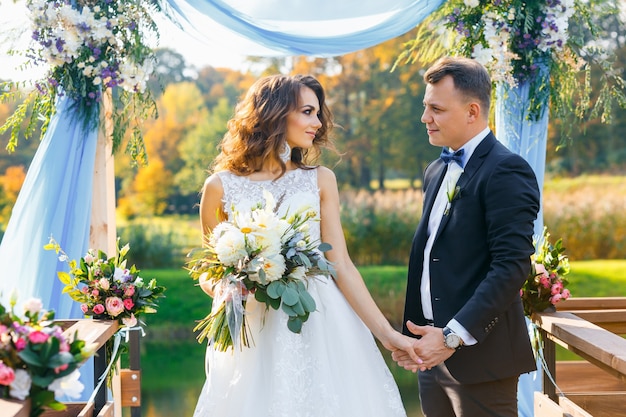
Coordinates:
x,y
173,374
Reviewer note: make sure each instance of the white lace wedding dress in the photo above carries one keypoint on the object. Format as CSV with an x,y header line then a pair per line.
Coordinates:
x,y
333,368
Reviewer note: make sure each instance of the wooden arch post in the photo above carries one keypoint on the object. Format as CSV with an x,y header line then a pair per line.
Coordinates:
x,y
103,232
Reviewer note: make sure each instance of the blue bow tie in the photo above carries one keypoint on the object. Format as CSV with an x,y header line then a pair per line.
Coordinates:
x,y
448,156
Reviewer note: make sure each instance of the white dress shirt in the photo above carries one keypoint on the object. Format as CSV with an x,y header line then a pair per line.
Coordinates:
x,y
436,214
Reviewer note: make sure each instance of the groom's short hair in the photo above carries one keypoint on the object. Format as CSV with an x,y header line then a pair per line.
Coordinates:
x,y
468,75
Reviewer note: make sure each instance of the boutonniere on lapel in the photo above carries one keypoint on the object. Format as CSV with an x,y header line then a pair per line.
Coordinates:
x,y
452,190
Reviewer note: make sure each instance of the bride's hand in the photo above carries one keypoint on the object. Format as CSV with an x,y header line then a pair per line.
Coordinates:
x,y
206,285
403,346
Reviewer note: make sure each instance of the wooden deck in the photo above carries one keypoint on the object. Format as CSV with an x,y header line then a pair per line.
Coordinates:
x,y
592,328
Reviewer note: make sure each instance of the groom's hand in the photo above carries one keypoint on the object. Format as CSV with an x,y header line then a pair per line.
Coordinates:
x,y
429,347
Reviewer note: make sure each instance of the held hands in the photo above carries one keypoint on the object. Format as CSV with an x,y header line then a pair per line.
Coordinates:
x,y
401,345
429,349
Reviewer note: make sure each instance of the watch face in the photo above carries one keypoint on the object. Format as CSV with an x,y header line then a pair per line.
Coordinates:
x,y
452,340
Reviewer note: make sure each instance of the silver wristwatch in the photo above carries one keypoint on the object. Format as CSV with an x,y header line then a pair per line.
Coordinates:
x,y
451,340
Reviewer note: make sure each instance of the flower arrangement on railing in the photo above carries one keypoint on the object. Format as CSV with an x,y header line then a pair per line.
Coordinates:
x,y
517,39
37,360
90,46
260,254
545,286
107,290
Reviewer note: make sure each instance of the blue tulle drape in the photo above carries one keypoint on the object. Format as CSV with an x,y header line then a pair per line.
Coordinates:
x,y
522,133
321,28
55,200
527,136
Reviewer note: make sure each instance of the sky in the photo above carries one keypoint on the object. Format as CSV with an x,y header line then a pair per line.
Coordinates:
x,y
197,49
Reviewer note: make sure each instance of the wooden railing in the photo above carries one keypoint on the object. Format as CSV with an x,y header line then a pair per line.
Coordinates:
x,y
126,385
595,386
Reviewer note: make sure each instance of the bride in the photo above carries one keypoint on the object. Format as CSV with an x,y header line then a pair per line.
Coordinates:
x,y
333,368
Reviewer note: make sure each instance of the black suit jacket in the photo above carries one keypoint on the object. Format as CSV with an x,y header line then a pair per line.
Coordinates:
x,y
479,261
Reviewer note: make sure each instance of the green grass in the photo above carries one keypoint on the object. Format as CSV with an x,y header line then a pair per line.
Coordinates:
x,y
598,278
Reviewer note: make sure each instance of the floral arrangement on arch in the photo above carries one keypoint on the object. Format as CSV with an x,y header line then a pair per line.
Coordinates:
x,y
522,41
262,254
106,288
90,47
545,286
37,360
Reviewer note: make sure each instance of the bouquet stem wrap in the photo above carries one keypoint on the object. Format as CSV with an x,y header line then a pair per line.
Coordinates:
x,y
226,323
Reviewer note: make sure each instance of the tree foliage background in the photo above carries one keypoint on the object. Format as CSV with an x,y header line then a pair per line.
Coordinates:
x,y
377,111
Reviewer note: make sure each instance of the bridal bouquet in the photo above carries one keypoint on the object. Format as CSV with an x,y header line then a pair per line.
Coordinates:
x,y
106,288
545,285
37,360
257,252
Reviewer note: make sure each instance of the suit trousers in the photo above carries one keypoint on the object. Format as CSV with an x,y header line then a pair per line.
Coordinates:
x,y
441,395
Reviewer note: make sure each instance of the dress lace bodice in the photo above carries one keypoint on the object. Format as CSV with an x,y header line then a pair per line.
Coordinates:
x,y
294,189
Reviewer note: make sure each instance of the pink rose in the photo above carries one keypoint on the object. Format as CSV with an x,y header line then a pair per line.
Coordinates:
x,y
104,283
84,308
555,298
95,292
20,344
557,287
565,294
128,303
7,375
130,291
38,337
98,309
544,281
115,306
84,290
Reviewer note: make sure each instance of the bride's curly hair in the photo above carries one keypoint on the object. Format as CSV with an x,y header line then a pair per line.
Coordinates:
x,y
258,129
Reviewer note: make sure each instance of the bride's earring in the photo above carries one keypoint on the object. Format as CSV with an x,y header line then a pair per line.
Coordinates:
x,y
285,155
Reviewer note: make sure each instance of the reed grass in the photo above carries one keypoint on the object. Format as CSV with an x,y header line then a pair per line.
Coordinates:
x,y
586,212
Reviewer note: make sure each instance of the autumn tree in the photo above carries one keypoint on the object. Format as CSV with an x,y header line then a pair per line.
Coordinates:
x,y
200,147
216,84
10,185
181,109
378,112
150,191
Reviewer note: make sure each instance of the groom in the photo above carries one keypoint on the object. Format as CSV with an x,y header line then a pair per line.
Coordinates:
x,y
470,254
